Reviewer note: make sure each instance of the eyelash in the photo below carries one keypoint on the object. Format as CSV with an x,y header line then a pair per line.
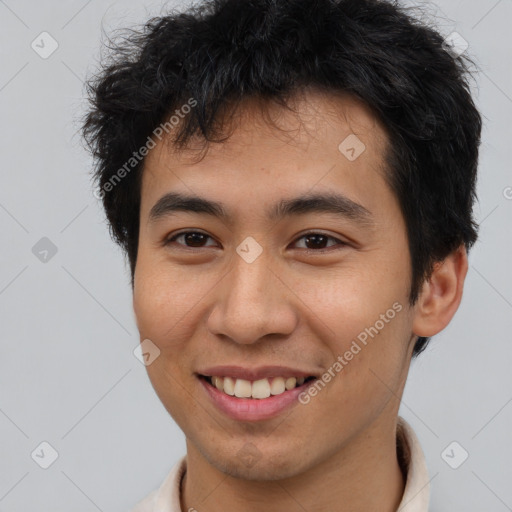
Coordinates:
x,y
340,243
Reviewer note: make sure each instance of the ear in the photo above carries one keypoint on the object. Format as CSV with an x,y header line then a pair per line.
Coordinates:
x,y
441,294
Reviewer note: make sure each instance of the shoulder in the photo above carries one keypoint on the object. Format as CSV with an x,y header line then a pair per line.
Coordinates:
x,y
147,504
166,498
412,460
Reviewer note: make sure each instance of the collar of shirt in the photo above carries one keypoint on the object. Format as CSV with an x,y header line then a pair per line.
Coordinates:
x,y
415,499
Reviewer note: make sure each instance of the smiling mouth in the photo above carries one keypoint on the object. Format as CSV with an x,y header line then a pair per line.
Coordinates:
x,y
257,389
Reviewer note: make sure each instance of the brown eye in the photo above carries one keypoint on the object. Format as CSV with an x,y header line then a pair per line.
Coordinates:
x,y
192,239
319,241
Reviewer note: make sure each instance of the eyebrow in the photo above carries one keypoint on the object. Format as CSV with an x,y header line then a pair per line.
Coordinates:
x,y
333,203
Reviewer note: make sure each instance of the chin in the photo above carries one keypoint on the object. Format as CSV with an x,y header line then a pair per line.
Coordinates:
x,y
249,464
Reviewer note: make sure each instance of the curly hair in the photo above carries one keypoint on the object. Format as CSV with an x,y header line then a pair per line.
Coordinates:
x,y
220,52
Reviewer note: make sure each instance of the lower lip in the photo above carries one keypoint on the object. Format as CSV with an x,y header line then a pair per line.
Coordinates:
x,y
253,409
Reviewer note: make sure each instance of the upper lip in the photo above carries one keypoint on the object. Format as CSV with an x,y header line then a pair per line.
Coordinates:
x,y
257,373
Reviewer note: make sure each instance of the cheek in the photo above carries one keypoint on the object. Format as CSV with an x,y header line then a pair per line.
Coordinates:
x,y
352,298
371,376
164,314
367,313
169,385
163,300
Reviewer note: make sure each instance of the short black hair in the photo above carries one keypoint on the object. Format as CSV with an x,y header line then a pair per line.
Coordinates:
x,y
220,52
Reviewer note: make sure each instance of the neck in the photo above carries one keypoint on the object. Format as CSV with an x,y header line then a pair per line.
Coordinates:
x,y
364,476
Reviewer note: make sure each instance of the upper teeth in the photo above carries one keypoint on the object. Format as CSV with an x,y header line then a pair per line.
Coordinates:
x,y
262,388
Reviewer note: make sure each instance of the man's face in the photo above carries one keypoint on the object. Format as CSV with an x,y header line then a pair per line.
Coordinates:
x,y
322,281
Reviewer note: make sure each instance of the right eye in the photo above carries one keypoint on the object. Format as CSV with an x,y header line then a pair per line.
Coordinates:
x,y
190,239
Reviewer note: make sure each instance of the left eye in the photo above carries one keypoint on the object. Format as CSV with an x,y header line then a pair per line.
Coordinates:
x,y
196,239
319,241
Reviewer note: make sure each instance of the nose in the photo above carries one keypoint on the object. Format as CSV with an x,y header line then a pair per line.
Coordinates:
x,y
252,301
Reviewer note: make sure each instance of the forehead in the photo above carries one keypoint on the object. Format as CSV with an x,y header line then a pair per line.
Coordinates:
x,y
327,141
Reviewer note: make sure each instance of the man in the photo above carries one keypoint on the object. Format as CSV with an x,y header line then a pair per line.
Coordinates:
x,y
292,182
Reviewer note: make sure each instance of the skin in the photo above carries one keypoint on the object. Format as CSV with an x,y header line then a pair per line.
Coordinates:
x,y
207,306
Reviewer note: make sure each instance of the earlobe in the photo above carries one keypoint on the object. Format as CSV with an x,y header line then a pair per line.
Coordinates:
x,y
441,294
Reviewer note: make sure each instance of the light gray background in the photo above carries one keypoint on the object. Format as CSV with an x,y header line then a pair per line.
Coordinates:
x,y
67,372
